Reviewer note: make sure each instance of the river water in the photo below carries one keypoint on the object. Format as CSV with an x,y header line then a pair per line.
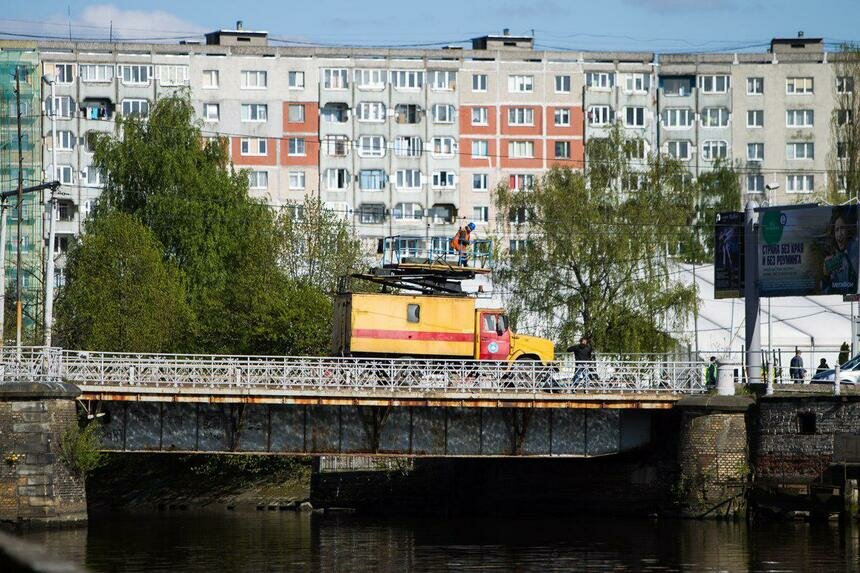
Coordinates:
x,y
284,541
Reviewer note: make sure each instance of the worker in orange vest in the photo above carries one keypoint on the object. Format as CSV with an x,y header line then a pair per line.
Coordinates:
x,y
460,243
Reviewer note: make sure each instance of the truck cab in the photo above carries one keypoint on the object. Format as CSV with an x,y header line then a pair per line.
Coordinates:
x,y
496,341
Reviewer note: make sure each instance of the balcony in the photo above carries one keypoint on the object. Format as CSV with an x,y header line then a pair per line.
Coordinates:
x,y
100,109
335,112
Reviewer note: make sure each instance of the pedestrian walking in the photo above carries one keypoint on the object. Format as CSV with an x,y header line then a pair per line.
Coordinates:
x,y
795,369
711,373
583,354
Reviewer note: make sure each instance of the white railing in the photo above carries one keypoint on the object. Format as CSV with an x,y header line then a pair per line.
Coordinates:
x,y
320,374
248,374
30,364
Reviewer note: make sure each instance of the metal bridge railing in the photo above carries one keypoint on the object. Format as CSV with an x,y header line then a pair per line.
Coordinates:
x,y
99,369
30,364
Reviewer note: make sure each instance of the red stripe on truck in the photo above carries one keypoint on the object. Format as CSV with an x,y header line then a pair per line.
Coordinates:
x,y
413,335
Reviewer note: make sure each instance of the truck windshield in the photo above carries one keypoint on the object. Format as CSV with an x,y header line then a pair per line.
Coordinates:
x,y
503,322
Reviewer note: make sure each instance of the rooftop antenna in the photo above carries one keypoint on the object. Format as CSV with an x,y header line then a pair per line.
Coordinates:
x,y
69,14
111,31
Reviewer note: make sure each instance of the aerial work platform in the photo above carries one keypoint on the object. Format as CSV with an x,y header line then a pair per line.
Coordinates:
x,y
428,255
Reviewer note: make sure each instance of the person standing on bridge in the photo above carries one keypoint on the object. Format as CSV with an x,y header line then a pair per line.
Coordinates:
x,y
460,243
796,370
711,373
583,353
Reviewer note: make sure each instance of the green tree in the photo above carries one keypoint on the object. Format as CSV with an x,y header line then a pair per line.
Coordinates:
x,y
120,295
183,189
844,158
318,246
717,190
595,259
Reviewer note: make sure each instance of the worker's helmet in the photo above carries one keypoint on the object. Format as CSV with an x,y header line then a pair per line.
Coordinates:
x,y
471,226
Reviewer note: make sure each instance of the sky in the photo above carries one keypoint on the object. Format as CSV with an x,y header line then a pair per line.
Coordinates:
x,y
652,25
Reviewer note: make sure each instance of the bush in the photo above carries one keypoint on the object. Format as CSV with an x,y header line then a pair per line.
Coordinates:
x,y
80,449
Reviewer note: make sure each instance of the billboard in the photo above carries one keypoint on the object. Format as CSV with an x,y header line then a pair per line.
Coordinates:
x,y
808,250
729,255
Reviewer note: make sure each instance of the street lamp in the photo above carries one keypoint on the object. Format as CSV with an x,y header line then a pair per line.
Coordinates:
x,y
49,265
769,187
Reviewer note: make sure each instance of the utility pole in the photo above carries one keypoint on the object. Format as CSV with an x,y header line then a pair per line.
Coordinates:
x,y
751,298
20,205
3,207
49,266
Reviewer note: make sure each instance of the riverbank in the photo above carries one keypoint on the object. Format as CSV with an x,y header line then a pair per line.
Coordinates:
x,y
147,482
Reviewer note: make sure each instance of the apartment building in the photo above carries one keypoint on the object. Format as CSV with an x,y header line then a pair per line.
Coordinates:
x,y
412,142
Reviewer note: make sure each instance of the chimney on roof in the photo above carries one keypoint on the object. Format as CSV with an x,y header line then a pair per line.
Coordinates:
x,y
506,32
239,24
800,34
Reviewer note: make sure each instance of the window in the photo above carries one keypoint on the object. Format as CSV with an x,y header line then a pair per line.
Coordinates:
x,y
677,117
714,150
480,116
335,78
845,85
254,112
480,148
211,112
407,113
520,181
371,213
755,183
371,146
755,86
679,149
444,179
755,151
600,80
135,75
480,182
336,179
372,111
371,79
371,179
335,113
296,113
172,75
755,118
636,148
520,84
521,149
336,145
799,118
521,116
715,117
211,79
407,79
562,150
479,82
254,79
408,146
600,115
296,80
801,150
637,83
799,86
677,86
63,174
843,117
253,146
62,106
258,180
442,214
443,80
841,150
515,245
296,146
89,140
717,84
562,84
297,179
481,213
444,146
443,113
65,141
64,73
799,183
96,73
138,107
94,177
408,179
562,117
634,116
410,211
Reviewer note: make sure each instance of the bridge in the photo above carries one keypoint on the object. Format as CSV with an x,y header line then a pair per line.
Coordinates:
x,y
396,407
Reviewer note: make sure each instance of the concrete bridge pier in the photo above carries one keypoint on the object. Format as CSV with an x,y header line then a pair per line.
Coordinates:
x,y
713,456
36,487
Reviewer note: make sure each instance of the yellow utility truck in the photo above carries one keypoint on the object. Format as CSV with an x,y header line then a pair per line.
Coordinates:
x,y
428,325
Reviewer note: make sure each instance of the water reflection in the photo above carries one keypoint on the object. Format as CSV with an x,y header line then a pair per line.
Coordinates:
x,y
279,541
